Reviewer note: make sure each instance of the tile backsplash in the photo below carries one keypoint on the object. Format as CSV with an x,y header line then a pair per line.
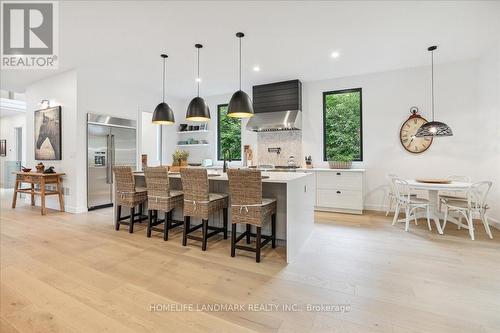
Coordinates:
x,y
290,143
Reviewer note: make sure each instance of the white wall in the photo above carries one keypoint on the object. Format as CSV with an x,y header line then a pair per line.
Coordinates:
x,y
387,98
8,127
59,90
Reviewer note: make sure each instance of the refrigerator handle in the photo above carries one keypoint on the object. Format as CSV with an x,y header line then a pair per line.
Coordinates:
x,y
108,164
112,156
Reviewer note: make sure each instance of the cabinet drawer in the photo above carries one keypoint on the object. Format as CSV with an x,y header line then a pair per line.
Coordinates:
x,y
340,180
347,199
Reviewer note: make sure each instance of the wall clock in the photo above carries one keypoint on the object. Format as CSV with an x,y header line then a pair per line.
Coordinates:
x,y
409,129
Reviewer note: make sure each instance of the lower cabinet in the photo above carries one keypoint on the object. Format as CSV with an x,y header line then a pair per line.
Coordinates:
x,y
340,190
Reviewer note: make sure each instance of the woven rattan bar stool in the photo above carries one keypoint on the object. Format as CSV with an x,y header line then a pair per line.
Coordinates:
x,y
248,207
129,196
200,203
161,199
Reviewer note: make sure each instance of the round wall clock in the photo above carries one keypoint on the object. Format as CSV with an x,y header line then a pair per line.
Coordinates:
x,y
409,129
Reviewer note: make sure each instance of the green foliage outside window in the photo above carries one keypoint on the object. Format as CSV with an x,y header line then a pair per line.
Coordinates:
x,y
342,125
228,134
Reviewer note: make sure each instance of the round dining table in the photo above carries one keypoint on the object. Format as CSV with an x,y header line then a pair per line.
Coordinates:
x,y
433,189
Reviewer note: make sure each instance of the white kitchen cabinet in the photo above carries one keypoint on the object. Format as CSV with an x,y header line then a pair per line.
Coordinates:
x,y
339,190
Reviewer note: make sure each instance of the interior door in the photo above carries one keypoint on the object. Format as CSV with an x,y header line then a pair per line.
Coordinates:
x,y
99,180
123,147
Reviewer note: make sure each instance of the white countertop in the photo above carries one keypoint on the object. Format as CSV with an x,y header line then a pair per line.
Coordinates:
x,y
274,177
332,170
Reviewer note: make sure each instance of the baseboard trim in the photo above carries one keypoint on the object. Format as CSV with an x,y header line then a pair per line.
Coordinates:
x,y
339,210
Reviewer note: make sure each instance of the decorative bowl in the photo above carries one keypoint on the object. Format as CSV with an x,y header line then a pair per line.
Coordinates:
x,y
26,169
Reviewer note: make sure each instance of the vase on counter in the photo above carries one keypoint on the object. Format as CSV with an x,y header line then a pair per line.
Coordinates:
x,y
40,168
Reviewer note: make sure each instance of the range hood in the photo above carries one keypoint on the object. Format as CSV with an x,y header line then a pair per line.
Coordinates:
x,y
275,121
277,107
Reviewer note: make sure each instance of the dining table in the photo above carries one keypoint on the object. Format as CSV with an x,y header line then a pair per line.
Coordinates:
x,y
433,190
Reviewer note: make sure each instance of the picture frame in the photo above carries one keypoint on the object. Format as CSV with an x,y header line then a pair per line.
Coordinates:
x,y
48,134
3,147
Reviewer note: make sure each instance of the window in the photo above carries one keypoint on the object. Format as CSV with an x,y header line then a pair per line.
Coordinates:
x,y
228,134
342,125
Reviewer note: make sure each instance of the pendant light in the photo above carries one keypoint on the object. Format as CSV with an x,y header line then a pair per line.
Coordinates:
x,y
433,128
240,105
198,109
163,114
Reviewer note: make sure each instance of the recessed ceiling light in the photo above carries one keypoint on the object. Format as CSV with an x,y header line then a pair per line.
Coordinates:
x,y
256,68
335,54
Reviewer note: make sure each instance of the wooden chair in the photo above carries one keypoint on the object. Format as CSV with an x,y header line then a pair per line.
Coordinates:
x,y
249,208
475,203
161,198
408,202
200,203
127,195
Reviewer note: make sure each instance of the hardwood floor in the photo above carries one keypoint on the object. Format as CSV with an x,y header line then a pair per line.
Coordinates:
x,y
74,273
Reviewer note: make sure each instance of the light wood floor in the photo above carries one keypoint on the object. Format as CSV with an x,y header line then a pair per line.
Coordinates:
x,y
74,273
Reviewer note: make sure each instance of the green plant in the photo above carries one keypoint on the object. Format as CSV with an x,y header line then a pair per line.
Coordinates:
x,y
341,157
229,134
180,155
343,126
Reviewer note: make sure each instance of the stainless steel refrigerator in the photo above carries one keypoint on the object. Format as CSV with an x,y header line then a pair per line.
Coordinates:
x,y
110,141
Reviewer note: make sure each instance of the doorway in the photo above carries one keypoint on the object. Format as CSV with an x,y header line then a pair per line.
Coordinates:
x,y
19,143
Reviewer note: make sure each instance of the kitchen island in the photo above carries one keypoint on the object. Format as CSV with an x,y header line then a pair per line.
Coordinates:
x,y
295,193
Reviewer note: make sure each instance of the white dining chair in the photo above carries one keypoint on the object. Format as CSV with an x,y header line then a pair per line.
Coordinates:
x,y
391,198
409,203
459,195
475,203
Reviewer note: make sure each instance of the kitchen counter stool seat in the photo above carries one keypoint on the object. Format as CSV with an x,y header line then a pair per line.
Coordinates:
x,y
129,196
250,208
161,199
200,203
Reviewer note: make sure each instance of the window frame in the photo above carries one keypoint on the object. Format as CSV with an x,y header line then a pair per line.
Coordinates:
x,y
337,92
219,106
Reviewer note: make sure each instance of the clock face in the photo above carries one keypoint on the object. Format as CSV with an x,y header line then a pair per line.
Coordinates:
x,y
407,135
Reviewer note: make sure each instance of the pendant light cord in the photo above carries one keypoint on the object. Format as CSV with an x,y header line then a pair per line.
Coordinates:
x,y
432,82
163,86
240,62
198,77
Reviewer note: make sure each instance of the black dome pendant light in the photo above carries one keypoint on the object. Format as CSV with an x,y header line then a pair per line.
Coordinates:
x,y
198,109
433,128
240,105
163,114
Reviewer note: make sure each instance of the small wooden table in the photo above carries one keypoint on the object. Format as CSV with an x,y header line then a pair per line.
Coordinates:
x,y
41,179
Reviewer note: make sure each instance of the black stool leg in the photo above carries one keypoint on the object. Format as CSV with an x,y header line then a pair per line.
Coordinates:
x,y
233,239
118,215
187,222
150,221
167,225
131,226
205,232
249,229
224,216
257,245
140,212
273,232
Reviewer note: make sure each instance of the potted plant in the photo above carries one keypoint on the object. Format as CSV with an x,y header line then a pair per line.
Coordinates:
x,y
341,161
179,158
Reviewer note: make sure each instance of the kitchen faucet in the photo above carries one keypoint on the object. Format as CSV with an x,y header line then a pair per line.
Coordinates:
x,y
227,158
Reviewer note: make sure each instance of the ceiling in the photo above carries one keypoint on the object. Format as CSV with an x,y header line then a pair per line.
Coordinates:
x,y
287,40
